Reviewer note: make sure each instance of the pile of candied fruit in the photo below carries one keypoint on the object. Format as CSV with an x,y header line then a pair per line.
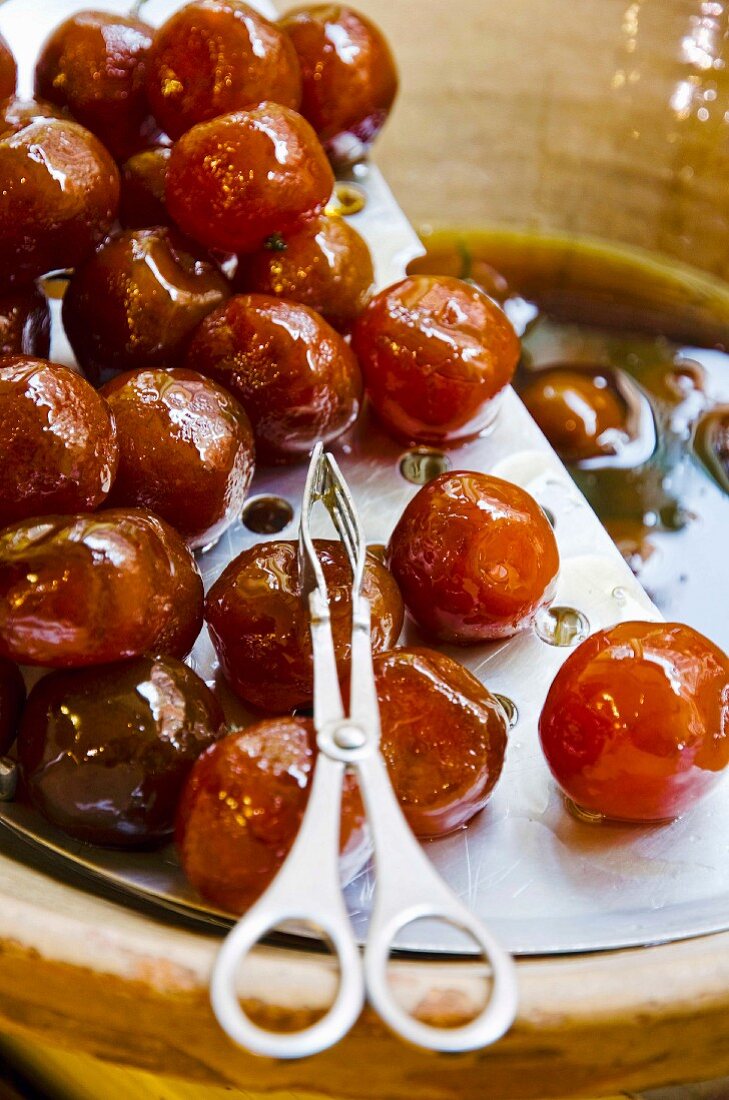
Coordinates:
x,y
177,183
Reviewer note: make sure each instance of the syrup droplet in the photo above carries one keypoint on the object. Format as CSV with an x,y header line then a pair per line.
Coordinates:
x,y
711,444
267,515
422,464
510,709
347,199
562,626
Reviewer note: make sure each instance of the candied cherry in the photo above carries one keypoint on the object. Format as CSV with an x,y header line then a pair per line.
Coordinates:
x,y
142,204
236,180
260,628
136,302
94,64
12,701
8,70
17,113
185,450
434,353
25,323
60,442
582,415
325,265
105,752
443,738
242,807
635,726
44,226
474,556
295,376
216,56
349,77
91,589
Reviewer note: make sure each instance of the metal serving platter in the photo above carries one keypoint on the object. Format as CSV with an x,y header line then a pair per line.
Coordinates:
x,y
544,881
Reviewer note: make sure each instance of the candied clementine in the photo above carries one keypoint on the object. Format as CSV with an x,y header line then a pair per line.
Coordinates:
x,y
136,302
142,204
215,56
12,701
8,70
443,738
326,266
635,726
582,415
349,77
295,376
43,226
90,589
185,450
25,323
435,352
104,752
474,556
94,64
60,441
242,807
15,113
260,625
236,180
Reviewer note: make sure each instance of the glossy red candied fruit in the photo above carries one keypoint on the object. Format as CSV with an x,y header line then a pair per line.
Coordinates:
x,y
635,726
216,56
260,626
12,701
16,113
25,323
8,70
104,752
45,227
435,352
94,64
581,414
91,589
326,266
348,73
143,176
474,556
443,738
136,302
236,180
242,807
294,375
185,450
59,439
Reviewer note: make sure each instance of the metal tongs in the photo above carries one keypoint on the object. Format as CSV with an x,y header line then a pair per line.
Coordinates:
x,y
308,887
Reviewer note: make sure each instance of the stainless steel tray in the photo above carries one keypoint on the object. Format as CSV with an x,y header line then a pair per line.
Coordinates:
x,y
543,881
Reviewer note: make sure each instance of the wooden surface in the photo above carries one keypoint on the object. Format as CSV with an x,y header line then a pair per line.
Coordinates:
x,y
500,120
82,973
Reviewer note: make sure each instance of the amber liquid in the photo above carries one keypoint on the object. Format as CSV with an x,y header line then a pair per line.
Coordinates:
x,y
653,336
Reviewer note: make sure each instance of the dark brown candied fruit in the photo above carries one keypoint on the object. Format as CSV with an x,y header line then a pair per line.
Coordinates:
x,y
25,323
88,590
238,179
17,113
242,807
185,450
443,738
143,176
475,558
12,700
582,415
60,449
349,77
434,353
60,195
94,64
136,302
260,626
295,376
8,70
325,266
635,726
104,752
216,56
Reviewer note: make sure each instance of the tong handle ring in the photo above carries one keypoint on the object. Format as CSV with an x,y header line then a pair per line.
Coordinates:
x,y
307,888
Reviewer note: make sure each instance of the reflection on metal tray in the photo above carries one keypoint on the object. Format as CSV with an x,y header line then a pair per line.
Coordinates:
x,y
543,881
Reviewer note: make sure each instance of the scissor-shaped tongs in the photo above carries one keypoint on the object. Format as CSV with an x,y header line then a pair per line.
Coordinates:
x,y
308,888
